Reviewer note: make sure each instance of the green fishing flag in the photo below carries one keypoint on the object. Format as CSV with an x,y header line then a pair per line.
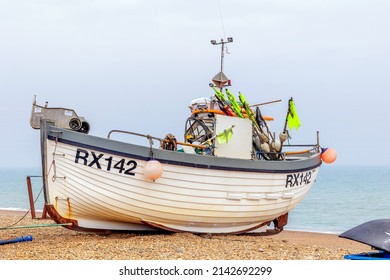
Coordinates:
x,y
223,103
225,135
248,110
220,94
292,118
236,108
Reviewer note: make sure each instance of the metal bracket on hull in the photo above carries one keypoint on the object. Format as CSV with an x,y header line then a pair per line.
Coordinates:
x,y
281,221
59,219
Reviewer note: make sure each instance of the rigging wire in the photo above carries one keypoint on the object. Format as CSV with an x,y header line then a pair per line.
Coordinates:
x,y
222,23
220,13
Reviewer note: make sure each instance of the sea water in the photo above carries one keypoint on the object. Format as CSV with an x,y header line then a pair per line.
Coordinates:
x,y
14,192
342,197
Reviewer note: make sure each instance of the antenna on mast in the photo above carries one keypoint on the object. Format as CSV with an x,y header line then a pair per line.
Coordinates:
x,y
220,80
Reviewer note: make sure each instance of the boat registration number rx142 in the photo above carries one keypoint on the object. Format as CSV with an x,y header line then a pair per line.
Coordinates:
x,y
100,161
298,179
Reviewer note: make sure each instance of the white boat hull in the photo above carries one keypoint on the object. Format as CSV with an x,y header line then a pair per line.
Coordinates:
x,y
86,183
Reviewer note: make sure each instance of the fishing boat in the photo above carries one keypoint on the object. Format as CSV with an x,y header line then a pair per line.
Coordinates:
x,y
230,174
375,233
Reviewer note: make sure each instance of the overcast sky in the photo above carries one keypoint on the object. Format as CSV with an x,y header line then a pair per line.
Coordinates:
x,y
136,65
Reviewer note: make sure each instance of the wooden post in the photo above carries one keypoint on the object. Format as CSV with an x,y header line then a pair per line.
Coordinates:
x,y
44,212
30,197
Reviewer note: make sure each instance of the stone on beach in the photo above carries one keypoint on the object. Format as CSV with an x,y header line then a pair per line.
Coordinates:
x,y
58,243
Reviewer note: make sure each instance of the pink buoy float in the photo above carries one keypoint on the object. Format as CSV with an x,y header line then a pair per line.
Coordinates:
x,y
153,169
328,155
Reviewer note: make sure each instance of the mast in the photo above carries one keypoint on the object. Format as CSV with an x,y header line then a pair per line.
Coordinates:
x,y
220,80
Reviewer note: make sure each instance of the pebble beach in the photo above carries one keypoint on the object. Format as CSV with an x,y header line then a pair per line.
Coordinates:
x,y
51,242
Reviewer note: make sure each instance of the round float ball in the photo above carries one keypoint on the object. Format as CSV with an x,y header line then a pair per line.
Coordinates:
x,y
328,155
276,145
153,170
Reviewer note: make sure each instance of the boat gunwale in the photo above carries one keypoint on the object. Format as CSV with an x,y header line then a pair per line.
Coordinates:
x,y
144,153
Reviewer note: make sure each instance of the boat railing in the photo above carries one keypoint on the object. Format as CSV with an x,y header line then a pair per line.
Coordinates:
x,y
290,154
151,138
311,148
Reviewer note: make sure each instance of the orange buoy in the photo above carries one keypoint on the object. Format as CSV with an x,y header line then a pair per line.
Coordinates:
x,y
328,155
153,169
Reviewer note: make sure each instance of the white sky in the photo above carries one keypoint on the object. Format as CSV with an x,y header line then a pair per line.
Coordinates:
x,y
136,65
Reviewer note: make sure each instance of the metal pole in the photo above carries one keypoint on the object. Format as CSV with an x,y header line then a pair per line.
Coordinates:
x,y
288,112
318,141
265,103
222,53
